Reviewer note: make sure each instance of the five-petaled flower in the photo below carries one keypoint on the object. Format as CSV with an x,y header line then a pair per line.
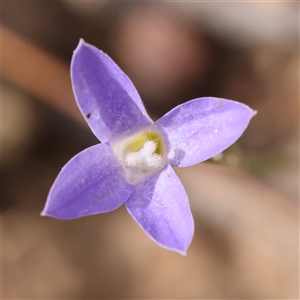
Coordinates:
x,y
133,163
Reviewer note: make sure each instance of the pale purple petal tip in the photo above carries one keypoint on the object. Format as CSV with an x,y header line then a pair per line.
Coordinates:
x,y
160,206
201,128
90,183
106,97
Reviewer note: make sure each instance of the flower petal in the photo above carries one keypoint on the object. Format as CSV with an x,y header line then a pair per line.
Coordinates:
x,y
90,183
105,95
160,206
203,127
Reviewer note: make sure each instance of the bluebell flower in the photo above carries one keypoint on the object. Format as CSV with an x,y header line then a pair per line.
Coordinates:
x,y
133,164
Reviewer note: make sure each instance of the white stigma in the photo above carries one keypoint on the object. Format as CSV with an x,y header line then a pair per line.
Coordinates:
x,y
146,156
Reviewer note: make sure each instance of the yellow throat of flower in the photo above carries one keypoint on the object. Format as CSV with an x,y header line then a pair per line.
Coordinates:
x,y
141,154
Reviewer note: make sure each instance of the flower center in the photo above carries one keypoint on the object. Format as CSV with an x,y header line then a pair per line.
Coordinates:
x,y
141,154
144,157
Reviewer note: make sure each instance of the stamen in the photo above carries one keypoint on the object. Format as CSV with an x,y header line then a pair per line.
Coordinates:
x,y
141,154
131,159
148,148
146,156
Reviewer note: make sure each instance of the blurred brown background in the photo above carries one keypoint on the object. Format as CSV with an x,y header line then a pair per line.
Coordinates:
x,y
244,201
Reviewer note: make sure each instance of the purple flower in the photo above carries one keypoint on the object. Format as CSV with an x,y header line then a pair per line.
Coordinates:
x,y
133,163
